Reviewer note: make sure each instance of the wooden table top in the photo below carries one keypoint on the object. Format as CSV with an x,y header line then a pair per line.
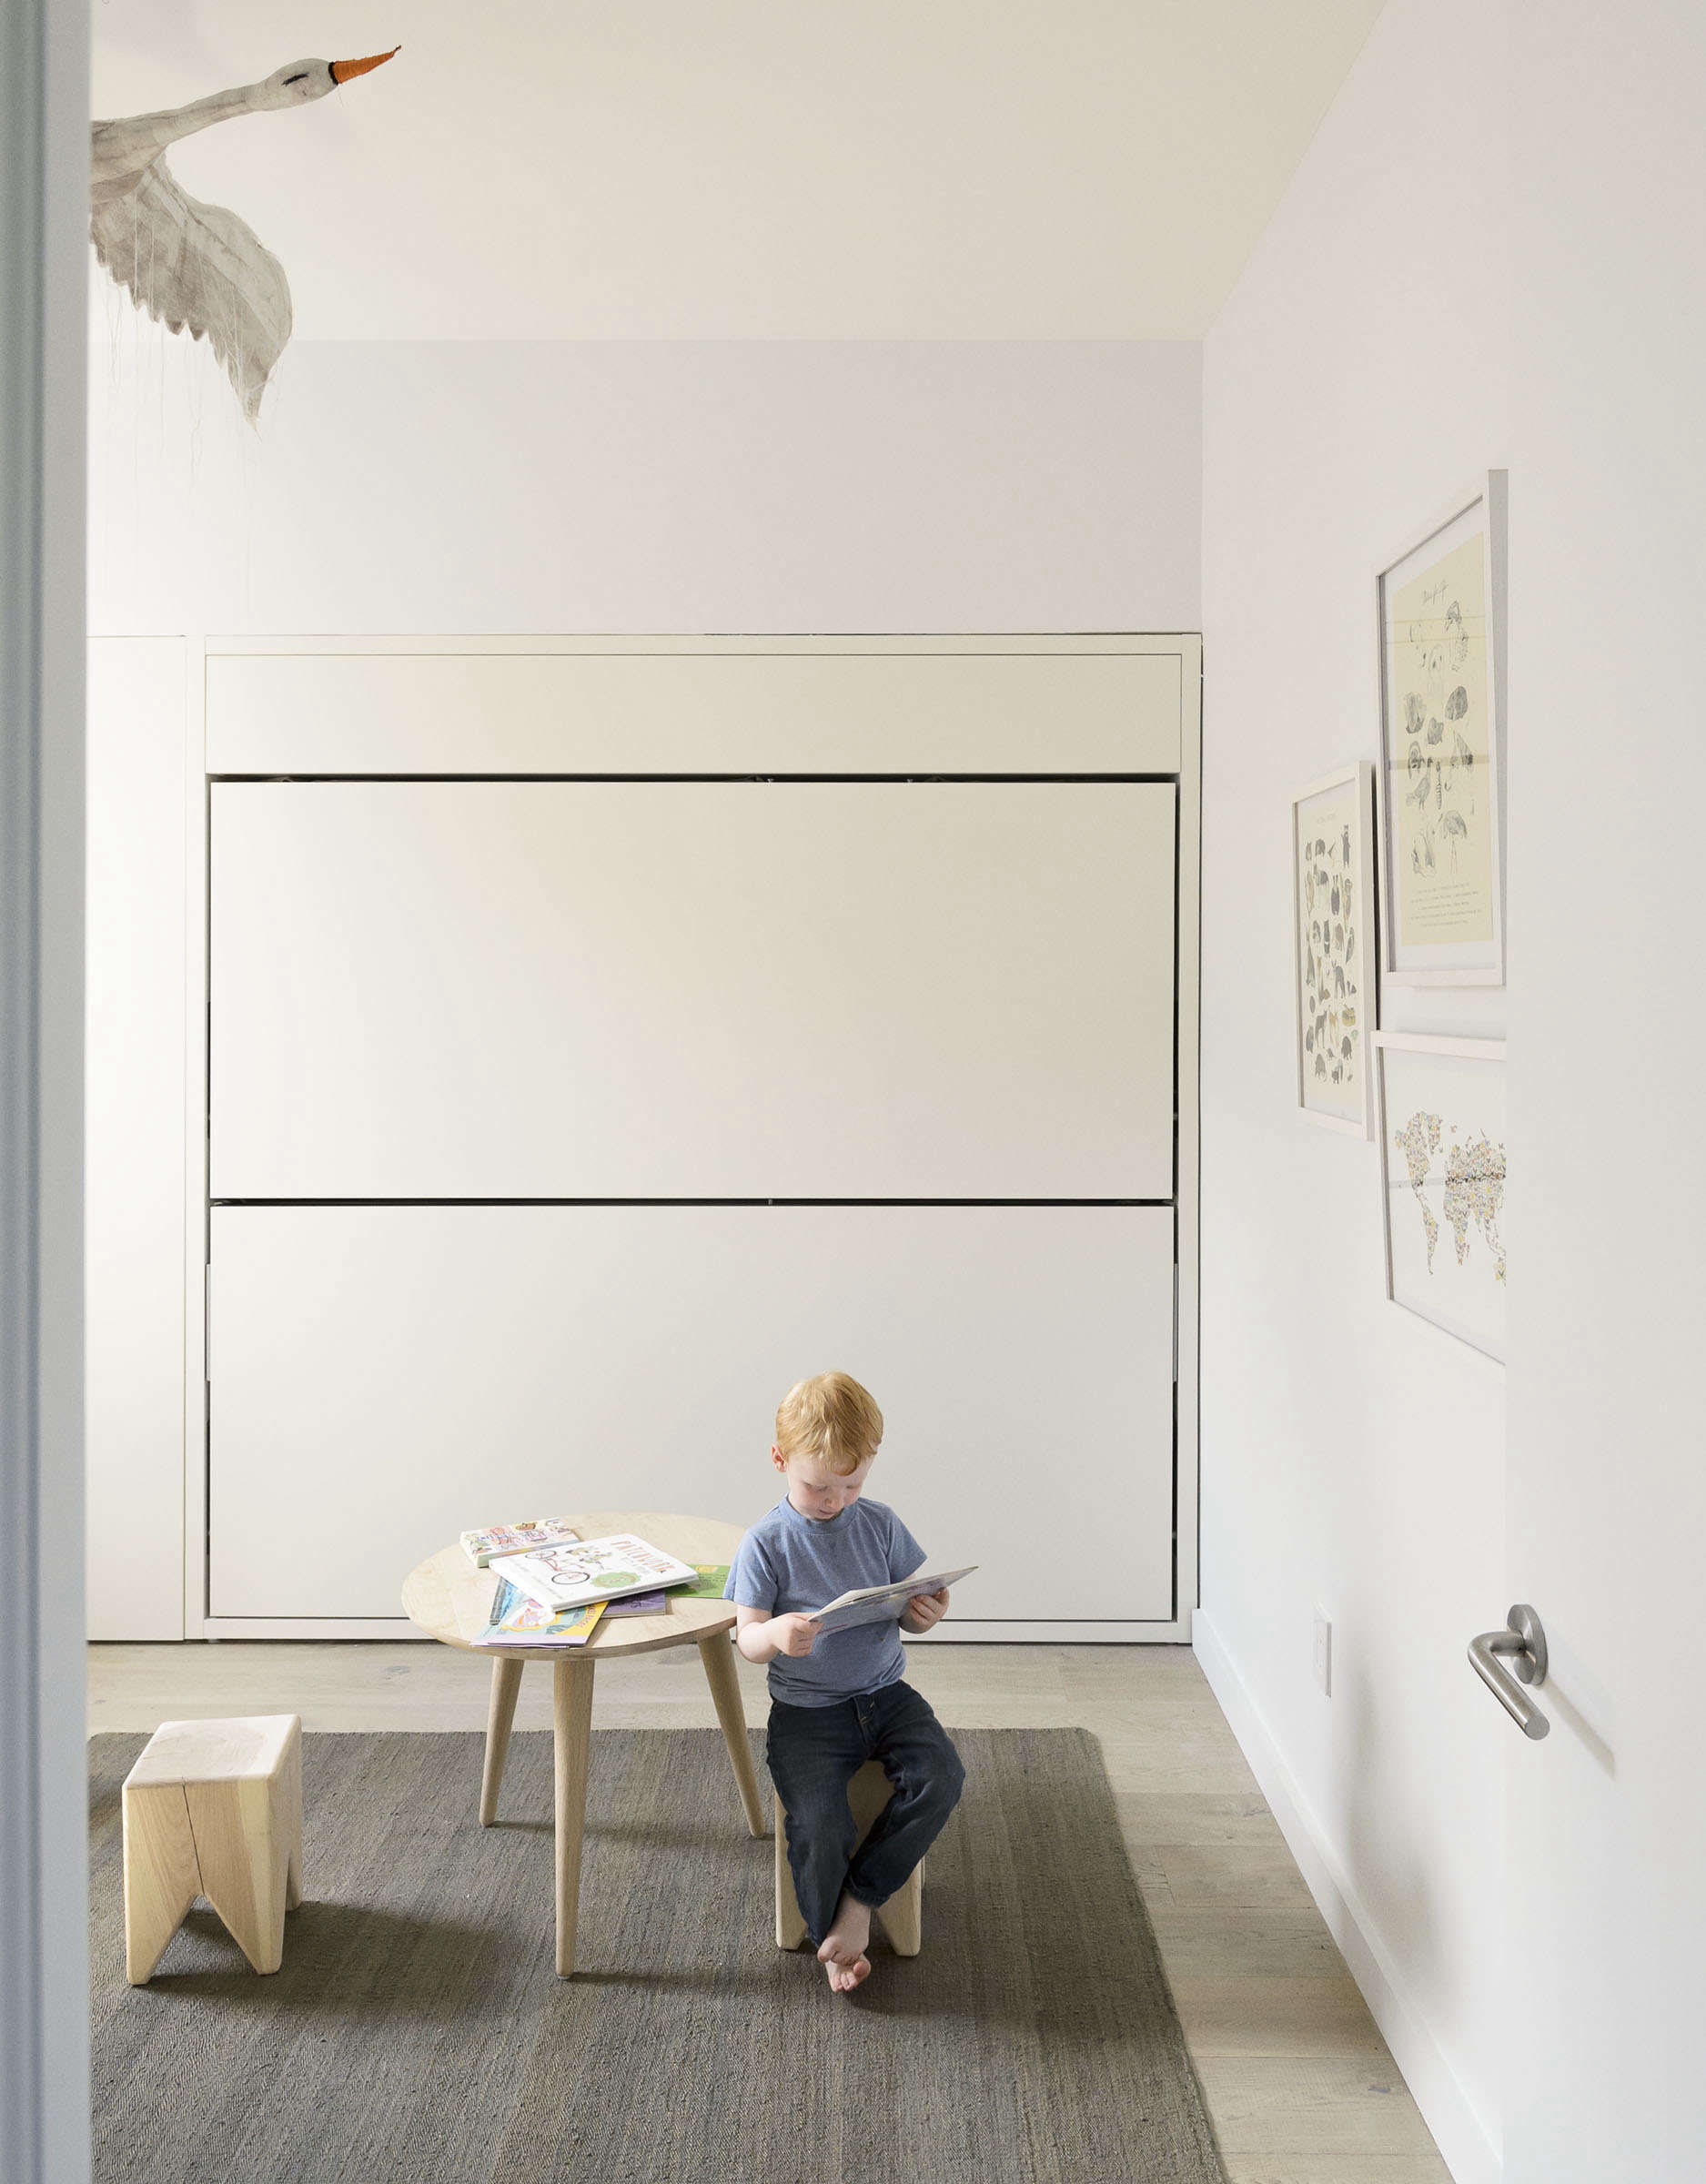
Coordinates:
x,y
451,1600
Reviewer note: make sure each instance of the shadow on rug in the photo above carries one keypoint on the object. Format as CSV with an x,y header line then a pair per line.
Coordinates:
x,y
418,2033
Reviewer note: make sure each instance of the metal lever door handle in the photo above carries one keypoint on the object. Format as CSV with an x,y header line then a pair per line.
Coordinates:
x,y
1522,1643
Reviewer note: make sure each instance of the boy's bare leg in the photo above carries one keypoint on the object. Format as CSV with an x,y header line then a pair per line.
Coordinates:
x,y
843,1955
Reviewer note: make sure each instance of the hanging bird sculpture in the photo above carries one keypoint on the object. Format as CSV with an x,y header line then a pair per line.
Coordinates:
x,y
198,267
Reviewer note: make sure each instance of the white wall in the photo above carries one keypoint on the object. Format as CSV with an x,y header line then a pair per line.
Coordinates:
x,y
613,487
755,169
529,486
1607,1490
1352,1455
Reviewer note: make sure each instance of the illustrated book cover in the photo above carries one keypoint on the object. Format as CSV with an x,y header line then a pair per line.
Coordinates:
x,y
570,1575
525,1534
518,1619
713,1578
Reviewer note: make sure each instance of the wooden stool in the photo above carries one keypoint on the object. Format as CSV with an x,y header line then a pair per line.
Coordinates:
x,y
213,1809
902,1917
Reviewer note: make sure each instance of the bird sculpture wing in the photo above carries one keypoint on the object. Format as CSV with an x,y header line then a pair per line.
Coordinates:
x,y
199,270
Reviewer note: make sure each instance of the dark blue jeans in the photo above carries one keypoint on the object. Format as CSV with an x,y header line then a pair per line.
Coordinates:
x,y
814,1752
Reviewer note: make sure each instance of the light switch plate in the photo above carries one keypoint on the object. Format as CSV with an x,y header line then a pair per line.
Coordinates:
x,y
1323,1651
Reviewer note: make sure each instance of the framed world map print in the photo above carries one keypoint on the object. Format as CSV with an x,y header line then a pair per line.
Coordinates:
x,y
1442,1169
1332,883
1441,608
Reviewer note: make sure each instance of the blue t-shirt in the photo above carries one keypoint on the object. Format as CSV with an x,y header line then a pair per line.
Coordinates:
x,y
789,1564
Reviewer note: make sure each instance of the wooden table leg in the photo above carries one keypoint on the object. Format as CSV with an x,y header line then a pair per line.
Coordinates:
x,y
506,1686
572,1719
717,1655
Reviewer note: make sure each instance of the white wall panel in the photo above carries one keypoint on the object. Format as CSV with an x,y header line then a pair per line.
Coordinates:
x,y
382,1377
442,490
1093,707
713,990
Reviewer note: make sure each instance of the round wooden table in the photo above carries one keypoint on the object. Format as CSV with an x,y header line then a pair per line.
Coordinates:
x,y
451,1600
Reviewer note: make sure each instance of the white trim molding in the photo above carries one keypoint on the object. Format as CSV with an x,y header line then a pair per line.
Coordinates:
x,y
391,1629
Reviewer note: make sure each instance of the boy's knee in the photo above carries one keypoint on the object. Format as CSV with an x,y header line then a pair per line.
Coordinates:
x,y
941,1786
823,1832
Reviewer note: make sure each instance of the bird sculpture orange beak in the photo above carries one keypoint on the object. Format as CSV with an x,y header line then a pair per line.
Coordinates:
x,y
343,70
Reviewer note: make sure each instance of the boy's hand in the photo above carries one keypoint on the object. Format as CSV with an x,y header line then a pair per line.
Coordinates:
x,y
795,1634
924,1611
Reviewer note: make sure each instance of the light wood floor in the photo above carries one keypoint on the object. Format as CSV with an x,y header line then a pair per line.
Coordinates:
x,y
1299,2081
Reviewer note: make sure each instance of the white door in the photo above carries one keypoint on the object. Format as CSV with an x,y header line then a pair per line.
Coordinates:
x,y
456,989
1605,1970
381,1377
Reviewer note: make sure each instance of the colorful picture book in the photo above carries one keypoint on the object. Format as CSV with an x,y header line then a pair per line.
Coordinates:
x,y
570,1575
713,1578
518,1619
879,1603
525,1534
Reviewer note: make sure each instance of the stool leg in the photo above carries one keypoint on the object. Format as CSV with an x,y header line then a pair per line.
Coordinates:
x,y
717,1655
290,1820
790,1926
243,1863
506,1686
902,1917
572,1717
162,1878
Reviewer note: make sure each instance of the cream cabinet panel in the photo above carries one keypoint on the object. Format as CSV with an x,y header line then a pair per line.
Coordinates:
x,y
547,989
136,1086
1095,708
381,1377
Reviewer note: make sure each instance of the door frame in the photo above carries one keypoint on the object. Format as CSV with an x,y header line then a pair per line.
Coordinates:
x,y
45,2124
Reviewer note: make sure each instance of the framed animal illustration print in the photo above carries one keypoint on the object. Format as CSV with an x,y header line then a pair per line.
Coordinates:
x,y
1333,923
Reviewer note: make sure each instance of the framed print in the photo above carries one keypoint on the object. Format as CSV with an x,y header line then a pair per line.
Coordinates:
x,y
1441,610
1442,1169
1332,883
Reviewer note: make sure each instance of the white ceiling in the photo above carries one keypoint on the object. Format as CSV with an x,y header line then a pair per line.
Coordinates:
x,y
750,169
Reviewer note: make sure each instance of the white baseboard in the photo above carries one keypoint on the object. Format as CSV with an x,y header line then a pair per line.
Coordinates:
x,y
1469,2149
954,1632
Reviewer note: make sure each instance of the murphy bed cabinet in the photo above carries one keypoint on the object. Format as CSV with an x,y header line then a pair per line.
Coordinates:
x,y
600,1034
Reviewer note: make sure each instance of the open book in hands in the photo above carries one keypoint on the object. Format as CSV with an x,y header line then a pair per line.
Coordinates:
x,y
880,1603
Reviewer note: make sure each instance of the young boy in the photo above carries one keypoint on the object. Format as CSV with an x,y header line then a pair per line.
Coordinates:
x,y
837,1699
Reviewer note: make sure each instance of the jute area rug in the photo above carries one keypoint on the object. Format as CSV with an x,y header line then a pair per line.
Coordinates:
x,y
419,2035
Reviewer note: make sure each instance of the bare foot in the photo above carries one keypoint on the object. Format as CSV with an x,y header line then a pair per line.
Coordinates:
x,y
843,1955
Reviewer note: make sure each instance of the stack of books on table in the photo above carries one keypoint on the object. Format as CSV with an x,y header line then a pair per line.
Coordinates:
x,y
553,1593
